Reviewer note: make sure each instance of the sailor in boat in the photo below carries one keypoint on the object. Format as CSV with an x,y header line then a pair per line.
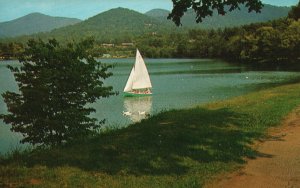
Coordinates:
x,y
144,91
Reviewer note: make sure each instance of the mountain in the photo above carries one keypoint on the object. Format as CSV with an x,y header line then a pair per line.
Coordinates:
x,y
231,19
123,25
158,13
118,23
33,23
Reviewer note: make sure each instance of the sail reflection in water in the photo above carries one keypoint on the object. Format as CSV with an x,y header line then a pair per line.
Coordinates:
x,y
137,108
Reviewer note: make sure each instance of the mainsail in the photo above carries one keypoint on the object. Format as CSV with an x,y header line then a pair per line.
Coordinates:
x,y
139,76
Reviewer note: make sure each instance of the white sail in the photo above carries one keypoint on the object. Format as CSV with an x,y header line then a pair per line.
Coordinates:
x,y
139,76
129,83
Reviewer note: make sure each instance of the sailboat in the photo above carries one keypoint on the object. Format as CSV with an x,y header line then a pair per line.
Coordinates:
x,y
138,83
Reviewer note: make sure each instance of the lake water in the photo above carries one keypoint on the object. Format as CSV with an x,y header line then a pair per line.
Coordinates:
x,y
177,83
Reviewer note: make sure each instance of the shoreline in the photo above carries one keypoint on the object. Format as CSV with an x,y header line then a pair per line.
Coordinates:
x,y
177,148
278,164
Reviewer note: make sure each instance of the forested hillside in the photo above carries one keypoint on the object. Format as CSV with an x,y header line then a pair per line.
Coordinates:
x,y
231,19
123,25
272,42
113,26
120,31
33,23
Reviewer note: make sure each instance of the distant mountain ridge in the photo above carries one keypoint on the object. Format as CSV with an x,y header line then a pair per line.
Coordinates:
x,y
113,24
33,23
231,19
123,25
158,13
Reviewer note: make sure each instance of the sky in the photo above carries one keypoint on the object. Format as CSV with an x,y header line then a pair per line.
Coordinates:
x,y
83,9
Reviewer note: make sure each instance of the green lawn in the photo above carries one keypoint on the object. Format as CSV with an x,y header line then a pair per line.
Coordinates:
x,y
178,148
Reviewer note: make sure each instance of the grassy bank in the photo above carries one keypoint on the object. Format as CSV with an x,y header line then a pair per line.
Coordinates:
x,y
179,148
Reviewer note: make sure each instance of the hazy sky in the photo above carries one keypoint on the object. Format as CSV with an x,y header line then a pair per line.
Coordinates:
x,y
83,9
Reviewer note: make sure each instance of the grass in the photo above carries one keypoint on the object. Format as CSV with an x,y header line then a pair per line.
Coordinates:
x,y
178,148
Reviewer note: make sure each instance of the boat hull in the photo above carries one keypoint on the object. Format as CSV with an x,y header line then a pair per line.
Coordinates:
x,y
128,94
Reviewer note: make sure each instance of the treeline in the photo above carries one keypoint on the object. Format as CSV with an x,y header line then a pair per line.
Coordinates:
x,y
265,42
10,50
273,41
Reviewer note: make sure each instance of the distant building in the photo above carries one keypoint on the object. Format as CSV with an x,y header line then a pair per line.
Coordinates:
x,y
106,56
108,45
127,44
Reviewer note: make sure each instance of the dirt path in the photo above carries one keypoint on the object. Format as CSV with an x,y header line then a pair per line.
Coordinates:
x,y
280,166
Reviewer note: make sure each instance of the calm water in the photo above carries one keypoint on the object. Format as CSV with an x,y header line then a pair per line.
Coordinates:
x,y
177,83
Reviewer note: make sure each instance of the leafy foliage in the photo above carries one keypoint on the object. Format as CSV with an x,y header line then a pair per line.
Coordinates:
x,y
11,50
271,42
295,12
231,19
56,83
205,8
276,41
235,18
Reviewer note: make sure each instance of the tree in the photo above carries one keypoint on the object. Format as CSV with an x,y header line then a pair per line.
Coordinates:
x,y
205,8
295,12
290,42
10,50
55,85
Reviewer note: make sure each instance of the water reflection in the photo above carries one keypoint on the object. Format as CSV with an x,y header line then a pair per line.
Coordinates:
x,y
137,108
